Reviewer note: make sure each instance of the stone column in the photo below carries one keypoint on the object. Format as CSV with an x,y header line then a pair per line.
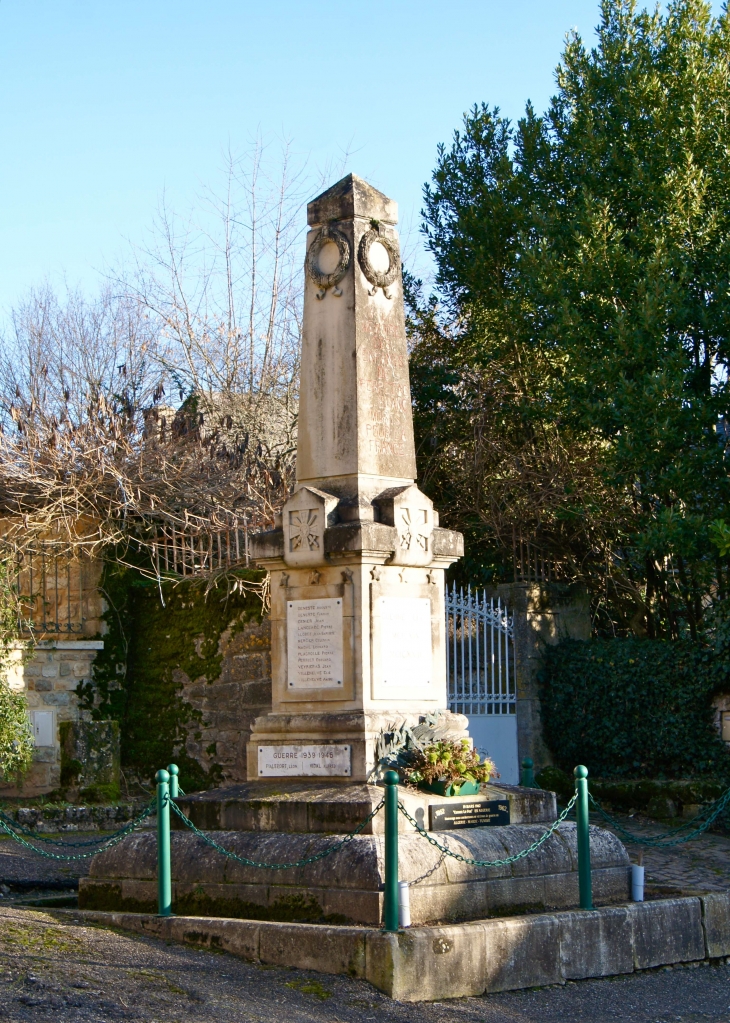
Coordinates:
x,y
357,565
544,615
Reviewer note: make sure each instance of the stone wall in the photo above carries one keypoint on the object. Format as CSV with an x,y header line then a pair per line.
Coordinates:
x,y
49,670
49,675
544,615
229,704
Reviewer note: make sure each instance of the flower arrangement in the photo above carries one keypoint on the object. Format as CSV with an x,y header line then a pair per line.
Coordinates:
x,y
450,765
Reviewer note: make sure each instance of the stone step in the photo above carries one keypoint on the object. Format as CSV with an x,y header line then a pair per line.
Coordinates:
x,y
346,885
310,808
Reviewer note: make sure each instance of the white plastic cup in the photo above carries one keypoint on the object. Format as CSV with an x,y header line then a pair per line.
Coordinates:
x,y
404,904
637,883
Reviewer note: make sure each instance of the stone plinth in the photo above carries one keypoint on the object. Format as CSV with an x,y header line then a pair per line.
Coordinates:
x,y
337,809
346,886
373,694
463,960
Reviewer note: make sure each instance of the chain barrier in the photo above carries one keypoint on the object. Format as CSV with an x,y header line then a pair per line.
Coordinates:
x,y
124,830
667,839
489,863
276,866
108,843
428,873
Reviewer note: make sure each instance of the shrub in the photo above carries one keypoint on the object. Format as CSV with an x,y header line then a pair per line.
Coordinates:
x,y
16,737
632,709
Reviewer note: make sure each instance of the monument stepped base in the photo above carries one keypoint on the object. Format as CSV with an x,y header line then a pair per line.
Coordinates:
x,y
346,887
314,807
470,959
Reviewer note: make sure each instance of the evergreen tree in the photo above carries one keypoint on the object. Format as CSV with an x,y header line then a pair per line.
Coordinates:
x,y
571,374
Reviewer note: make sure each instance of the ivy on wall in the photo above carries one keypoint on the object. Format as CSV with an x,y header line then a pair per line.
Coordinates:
x,y
152,633
633,708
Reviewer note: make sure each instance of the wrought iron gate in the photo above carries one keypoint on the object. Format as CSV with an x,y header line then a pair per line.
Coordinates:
x,y
480,654
481,673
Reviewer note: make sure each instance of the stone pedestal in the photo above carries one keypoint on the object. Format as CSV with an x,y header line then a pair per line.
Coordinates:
x,y
278,823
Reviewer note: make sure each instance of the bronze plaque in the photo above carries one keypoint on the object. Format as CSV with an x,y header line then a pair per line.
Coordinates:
x,y
451,816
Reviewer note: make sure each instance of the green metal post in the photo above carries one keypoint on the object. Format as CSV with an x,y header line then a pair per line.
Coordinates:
x,y
390,909
585,887
174,785
527,777
164,878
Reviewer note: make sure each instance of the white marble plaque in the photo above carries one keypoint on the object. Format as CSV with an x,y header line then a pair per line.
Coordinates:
x,y
406,657
313,761
314,643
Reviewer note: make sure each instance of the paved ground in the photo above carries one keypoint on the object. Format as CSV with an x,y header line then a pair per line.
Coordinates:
x,y
700,865
54,968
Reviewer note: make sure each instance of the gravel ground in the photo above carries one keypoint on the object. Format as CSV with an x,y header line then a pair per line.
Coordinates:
x,y
54,968
22,868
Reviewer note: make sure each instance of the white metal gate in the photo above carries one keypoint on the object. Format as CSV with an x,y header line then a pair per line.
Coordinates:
x,y
481,673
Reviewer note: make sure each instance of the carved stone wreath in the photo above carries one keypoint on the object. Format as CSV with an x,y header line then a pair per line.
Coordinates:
x,y
331,280
375,277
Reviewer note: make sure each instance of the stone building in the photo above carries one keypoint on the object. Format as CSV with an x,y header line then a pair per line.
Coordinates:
x,y
62,609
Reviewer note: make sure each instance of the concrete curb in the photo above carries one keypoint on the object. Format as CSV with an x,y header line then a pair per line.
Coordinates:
x,y
474,958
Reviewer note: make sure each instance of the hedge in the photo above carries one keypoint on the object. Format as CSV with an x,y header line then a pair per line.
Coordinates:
x,y
633,708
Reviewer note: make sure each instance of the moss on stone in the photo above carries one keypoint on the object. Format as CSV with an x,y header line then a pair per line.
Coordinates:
x,y
634,795
108,793
155,636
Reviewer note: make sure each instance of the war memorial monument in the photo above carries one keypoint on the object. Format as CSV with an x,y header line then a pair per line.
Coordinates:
x,y
357,566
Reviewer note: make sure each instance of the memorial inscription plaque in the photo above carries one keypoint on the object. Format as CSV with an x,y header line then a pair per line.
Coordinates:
x,y
452,816
310,761
406,655
314,643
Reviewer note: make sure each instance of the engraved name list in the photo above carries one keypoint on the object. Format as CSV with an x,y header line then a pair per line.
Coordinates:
x,y
314,643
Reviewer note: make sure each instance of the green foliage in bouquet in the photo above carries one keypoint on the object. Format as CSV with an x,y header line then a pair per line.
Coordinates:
x,y
455,761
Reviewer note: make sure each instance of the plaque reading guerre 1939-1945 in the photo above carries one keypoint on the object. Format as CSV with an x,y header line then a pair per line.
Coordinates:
x,y
314,643
310,761
452,816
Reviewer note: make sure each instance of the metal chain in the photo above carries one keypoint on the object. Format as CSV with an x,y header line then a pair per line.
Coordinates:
x,y
428,873
666,839
124,830
115,840
277,866
489,863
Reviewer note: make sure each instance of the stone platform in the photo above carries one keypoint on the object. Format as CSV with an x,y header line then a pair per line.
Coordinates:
x,y
456,961
287,822
308,807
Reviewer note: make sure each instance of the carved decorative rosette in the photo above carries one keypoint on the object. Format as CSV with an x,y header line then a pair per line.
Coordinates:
x,y
305,517
326,234
377,278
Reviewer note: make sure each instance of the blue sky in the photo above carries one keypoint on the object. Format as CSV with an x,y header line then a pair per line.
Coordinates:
x,y
107,104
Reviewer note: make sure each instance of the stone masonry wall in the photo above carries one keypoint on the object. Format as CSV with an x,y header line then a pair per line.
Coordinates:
x,y
49,676
230,703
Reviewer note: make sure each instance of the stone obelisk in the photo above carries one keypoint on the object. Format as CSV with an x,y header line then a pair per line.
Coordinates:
x,y
357,565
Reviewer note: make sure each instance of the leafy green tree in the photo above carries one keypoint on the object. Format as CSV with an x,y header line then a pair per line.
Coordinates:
x,y
570,375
